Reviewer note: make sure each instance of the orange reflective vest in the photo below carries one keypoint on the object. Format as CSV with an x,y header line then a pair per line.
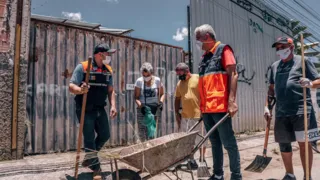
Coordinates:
x,y
213,82
85,66
98,81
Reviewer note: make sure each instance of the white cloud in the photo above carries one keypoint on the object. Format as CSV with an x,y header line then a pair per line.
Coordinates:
x,y
180,34
72,16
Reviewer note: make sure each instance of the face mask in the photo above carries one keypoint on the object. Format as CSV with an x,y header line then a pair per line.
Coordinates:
x,y
183,77
199,45
106,60
284,53
147,78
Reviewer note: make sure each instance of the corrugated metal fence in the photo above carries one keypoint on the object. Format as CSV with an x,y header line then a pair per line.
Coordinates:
x,y
251,33
55,50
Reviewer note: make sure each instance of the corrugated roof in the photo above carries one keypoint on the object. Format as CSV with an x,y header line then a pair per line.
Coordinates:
x,y
81,24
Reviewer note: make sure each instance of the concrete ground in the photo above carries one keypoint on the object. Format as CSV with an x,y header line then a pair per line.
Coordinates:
x,y
61,166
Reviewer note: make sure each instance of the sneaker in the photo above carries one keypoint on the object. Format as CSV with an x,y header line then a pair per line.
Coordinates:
x,y
97,175
288,177
315,146
215,177
193,164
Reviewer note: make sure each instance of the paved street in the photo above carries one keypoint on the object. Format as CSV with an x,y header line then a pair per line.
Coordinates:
x,y
59,166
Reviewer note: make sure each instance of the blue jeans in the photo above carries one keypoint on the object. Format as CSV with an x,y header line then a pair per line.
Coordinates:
x,y
223,135
94,121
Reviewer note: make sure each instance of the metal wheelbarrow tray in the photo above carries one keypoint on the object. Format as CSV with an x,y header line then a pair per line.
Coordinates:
x,y
155,156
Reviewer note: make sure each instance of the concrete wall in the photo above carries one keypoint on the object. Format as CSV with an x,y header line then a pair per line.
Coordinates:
x,y
8,13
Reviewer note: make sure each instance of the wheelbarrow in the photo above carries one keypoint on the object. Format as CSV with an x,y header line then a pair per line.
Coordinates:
x,y
156,156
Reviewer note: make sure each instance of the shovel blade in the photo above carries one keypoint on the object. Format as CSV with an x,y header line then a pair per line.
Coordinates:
x,y
258,164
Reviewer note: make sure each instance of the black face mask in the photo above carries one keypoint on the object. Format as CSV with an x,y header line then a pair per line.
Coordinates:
x,y
183,77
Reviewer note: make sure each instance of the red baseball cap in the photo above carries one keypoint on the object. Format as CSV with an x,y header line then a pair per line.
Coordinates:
x,y
283,40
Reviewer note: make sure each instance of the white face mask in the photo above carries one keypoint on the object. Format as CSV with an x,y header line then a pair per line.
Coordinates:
x,y
199,45
106,60
284,53
147,78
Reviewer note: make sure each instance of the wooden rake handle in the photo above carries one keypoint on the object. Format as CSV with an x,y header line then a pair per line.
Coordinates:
x,y
305,110
84,102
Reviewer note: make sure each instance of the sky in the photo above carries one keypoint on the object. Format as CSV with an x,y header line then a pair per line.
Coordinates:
x,y
162,21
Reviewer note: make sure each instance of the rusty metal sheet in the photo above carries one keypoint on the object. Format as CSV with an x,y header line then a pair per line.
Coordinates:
x,y
55,51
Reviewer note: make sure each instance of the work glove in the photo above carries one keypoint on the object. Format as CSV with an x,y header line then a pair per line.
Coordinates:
x,y
267,113
305,82
160,106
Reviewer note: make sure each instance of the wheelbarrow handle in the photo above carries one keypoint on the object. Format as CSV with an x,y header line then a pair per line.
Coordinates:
x,y
210,132
194,126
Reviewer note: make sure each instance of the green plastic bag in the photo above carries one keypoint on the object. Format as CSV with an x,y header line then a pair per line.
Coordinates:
x,y
149,122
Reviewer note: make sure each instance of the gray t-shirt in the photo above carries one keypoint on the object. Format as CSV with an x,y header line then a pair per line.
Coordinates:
x,y
151,93
285,76
78,76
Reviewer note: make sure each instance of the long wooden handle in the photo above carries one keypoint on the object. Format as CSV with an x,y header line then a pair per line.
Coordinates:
x,y
266,138
16,75
305,110
84,102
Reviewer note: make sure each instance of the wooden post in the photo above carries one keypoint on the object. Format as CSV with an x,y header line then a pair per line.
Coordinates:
x,y
16,74
305,110
84,102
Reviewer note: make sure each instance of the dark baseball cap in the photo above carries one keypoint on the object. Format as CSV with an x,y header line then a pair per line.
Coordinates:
x,y
103,48
283,40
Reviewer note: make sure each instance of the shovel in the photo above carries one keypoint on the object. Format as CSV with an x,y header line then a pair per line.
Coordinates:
x,y
261,162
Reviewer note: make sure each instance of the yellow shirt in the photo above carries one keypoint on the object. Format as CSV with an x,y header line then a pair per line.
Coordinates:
x,y
188,92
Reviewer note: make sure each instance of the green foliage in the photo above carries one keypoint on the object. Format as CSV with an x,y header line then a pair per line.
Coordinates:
x,y
296,31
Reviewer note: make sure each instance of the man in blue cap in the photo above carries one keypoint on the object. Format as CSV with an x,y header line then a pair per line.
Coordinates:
x,y
99,88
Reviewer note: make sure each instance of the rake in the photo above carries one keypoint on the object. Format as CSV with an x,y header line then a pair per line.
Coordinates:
x,y
261,162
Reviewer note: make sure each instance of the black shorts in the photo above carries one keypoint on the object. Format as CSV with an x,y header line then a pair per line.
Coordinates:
x,y
291,128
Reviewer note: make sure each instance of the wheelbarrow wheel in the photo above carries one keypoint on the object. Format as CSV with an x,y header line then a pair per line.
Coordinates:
x,y
124,174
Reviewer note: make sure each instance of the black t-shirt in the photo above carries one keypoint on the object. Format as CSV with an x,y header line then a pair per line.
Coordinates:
x,y
285,76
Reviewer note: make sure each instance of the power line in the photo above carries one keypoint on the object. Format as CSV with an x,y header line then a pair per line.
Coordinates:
x,y
297,12
271,4
305,18
308,9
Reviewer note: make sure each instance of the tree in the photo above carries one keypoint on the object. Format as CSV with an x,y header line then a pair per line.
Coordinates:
x,y
296,30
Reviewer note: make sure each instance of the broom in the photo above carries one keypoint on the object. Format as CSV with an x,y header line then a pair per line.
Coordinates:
x,y
202,170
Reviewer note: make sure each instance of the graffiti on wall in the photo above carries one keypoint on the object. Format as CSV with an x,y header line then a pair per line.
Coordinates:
x,y
244,4
256,26
48,89
241,69
267,75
